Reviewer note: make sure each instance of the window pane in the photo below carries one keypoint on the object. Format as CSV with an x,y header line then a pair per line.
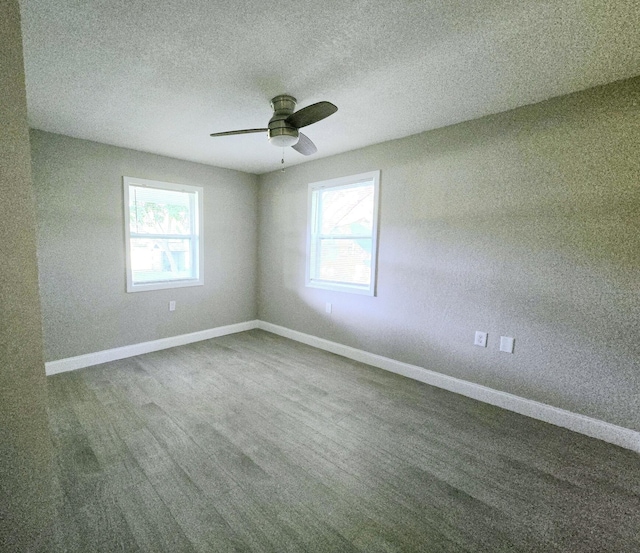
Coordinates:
x,y
347,211
155,211
345,260
161,259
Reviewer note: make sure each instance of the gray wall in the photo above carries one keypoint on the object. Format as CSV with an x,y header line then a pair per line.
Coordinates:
x,y
81,253
25,445
524,224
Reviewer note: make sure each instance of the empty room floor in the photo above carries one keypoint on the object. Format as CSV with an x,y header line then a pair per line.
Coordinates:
x,y
252,442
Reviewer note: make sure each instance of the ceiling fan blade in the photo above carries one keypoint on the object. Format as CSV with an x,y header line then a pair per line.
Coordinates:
x,y
245,131
311,114
304,145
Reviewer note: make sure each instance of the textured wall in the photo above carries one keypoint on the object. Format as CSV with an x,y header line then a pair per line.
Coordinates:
x,y
524,224
25,445
81,253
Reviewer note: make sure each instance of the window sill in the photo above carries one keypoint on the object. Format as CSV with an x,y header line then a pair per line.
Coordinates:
x,y
163,285
339,287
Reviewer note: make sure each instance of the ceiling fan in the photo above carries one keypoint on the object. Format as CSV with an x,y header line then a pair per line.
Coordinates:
x,y
283,126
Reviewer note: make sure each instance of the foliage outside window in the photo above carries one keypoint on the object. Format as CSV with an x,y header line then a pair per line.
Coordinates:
x,y
342,237
163,234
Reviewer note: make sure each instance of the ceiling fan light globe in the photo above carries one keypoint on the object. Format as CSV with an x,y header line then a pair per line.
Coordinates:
x,y
283,140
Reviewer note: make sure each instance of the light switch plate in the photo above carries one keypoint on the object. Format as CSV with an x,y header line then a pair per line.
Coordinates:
x,y
172,305
506,344
327,307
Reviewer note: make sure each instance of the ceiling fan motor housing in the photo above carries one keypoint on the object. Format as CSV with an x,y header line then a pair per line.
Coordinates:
x,y
281,133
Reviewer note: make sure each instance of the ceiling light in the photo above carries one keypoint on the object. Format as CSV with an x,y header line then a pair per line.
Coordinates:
x,y
283,137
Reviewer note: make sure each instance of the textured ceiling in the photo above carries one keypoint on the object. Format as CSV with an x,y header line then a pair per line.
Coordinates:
x,y
160,75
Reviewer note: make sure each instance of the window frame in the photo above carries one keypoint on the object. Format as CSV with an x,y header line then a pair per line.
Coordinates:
x,y
196,236
351,181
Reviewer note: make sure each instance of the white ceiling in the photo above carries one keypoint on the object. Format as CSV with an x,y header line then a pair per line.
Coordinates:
x,y
160,75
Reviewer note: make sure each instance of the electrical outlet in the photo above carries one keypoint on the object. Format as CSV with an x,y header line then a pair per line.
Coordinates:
x,y
327,307
481,339
172,305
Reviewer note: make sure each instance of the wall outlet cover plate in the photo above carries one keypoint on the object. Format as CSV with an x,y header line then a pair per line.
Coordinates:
x,y
480,339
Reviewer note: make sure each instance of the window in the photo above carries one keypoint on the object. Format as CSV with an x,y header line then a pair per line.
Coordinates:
x,y
342,237
163,231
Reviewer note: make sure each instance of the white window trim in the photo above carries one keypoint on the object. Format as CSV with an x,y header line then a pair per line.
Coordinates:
x,y
345,182
198,228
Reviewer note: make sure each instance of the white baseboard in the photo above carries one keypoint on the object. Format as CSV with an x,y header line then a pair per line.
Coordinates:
x,y
618,435
90,359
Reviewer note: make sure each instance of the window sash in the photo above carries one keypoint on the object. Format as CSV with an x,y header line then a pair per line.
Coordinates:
x,y
358,266
164,255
